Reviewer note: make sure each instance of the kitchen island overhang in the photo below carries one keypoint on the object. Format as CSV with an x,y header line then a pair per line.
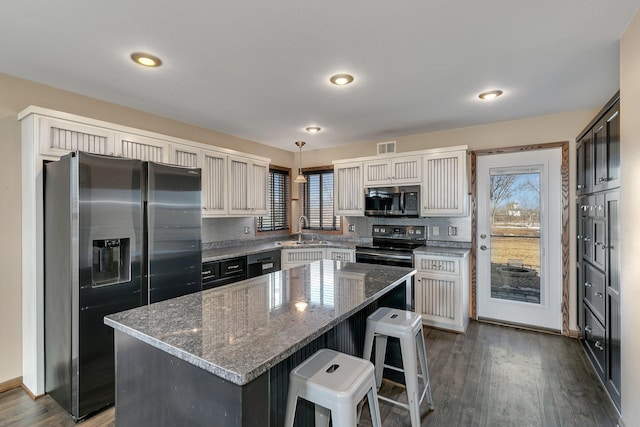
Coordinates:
x,y
224,354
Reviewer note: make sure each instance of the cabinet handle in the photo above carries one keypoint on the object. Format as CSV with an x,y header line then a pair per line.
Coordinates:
x,y
578,237
599,345
603,179
588,329
587,285
580,186
599,294
206,272
233,267
587,239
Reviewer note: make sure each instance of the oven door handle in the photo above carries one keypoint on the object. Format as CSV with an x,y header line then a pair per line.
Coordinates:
x,y
385,256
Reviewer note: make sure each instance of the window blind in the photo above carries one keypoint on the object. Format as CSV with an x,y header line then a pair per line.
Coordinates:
x,y
277,203
317,196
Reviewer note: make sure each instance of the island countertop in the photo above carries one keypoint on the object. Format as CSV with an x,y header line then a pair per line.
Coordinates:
x,y
239,331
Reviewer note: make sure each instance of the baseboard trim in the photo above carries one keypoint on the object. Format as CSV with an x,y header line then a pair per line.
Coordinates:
x,y
29,393
10,385
574,333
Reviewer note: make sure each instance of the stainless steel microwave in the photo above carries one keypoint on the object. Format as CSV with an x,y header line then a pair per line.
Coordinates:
x,y
393,201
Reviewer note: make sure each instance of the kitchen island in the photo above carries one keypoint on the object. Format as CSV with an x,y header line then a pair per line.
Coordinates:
x,y
222,357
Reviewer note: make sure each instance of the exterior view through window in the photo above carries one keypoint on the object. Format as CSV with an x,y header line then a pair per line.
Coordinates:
x,y
515,237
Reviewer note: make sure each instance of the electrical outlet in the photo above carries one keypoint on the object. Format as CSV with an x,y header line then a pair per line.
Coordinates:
x,y
246,230
453,231
435,230
352,228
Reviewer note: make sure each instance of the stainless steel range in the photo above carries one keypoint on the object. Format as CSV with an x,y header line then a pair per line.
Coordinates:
x,y
392,245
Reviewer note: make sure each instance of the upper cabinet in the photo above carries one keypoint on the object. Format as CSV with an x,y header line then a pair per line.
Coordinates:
x,y
598,152
141,148
444,184
248,186
441,173
233,184
394,171
58,137
348,189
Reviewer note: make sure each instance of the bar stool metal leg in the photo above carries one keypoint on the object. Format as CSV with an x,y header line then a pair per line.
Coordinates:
x,y
424,367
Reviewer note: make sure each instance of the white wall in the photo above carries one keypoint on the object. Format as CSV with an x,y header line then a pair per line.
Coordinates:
x,y
630,206
10,257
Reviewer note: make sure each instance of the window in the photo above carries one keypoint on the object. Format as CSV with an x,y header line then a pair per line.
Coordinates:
x,y
278,202
317,200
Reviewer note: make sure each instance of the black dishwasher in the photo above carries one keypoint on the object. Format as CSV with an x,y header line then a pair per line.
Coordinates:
x,y
223,272
263,263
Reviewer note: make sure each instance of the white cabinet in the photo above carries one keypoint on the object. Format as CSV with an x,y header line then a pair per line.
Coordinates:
x,y
248,186
442,291
444,184
214,183
348,189
393,171
184,155
140,147
58,137
294,257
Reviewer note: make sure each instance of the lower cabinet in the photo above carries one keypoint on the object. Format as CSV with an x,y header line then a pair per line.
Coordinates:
x,y
295,257
442,291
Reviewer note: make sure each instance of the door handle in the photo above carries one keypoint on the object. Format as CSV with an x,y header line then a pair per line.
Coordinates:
x,y
484,247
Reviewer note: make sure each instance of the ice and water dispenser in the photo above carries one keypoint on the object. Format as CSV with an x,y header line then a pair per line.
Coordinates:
x,y
111,262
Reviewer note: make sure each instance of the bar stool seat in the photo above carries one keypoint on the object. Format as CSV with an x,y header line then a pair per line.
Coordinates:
x,y
407,327
336,383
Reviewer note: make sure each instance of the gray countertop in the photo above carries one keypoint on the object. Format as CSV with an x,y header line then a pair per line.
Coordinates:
x,y
232,252
239,331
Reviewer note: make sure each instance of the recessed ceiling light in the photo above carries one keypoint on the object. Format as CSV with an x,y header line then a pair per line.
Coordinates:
x,y
146,59
313,129
341,79
490,95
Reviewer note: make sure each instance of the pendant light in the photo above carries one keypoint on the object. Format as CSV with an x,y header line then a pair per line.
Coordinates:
x,y
300,179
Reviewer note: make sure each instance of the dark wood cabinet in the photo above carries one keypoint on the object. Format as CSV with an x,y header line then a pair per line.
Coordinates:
x,y
598,244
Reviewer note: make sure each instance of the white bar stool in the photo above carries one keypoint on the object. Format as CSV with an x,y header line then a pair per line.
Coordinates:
x,y
335,382
407,327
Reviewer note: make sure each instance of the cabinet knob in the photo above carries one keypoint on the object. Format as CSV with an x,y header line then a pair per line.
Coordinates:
x,y
588,329
587,285
599,345
599,294
580,186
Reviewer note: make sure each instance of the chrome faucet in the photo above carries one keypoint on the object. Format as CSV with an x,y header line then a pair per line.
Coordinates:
x,y
301,222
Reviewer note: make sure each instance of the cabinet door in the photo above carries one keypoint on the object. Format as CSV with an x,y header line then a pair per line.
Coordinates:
x,y
406,170
184,155
214,183
248,186
606,141
348,189
60,137
444,184
259,187
613,329
295,257
377,173
437,299
581,146
141,148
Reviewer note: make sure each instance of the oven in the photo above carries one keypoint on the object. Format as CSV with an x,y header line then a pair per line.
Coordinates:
x,y
392,245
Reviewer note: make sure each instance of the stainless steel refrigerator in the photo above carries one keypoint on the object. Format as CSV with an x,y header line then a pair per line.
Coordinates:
x,y
119,234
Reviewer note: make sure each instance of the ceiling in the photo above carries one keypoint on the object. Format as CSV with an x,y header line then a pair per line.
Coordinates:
x,y
260,69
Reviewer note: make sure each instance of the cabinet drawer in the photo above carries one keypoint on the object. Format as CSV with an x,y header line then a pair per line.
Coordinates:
x,y
594,339
438,264
594,290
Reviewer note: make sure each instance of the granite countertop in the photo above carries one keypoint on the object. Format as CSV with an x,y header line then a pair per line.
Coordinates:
x,y
232,252
441,250
239,331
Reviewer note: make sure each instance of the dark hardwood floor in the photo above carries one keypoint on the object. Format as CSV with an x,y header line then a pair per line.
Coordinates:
x,y
490,376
